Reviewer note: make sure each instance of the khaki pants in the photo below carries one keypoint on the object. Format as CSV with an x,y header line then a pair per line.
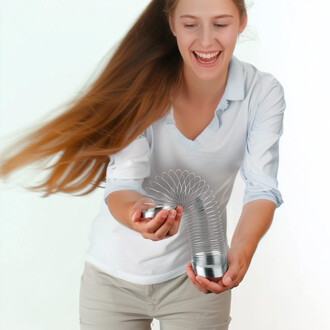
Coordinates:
x,y
109,303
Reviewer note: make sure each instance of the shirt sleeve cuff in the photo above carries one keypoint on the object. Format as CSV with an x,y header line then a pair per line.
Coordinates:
x,y
115,185
277,199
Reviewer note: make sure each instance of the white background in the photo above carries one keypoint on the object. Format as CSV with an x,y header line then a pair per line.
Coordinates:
x,y
51,49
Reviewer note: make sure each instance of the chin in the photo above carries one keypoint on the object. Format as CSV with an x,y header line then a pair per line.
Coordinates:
x,y
212,75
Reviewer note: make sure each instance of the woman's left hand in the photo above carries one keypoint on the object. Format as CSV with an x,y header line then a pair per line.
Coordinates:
x,y
238,264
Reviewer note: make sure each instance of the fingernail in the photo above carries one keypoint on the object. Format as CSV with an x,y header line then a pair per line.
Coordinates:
x,y
229,280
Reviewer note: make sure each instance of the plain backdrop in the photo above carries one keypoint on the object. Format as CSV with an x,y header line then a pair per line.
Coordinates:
x,y
50,50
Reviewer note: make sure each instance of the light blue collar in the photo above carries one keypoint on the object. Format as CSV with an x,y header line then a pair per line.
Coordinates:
x,y
234,90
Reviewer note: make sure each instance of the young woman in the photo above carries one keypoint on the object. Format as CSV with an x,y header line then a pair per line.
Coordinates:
x,y
173,96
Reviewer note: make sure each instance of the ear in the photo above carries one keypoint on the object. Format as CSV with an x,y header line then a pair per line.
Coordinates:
x,y
243,23
171,23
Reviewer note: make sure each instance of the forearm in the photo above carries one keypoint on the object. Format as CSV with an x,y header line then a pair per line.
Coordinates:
x,y
254,222
120,204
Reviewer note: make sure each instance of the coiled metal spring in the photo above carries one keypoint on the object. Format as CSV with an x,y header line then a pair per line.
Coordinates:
x,y
202,218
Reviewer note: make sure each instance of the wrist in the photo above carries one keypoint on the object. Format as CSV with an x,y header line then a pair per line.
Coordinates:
x,y
245,246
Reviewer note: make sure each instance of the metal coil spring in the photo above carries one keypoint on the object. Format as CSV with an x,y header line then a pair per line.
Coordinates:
x,y
202,214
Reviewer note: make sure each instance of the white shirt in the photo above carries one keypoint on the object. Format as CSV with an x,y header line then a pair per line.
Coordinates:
x,y
243,135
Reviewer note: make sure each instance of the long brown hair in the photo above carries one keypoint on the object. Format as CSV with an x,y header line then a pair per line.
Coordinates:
x,y
132,92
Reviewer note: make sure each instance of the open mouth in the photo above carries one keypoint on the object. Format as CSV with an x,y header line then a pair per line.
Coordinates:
x,y
207,58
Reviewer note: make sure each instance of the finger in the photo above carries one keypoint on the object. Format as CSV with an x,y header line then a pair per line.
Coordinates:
x,y
192,277
154,224
163,230
174,228
215,287
176,224
179,211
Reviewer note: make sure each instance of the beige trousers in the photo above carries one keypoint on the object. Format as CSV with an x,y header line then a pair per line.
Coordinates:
x,y
109,303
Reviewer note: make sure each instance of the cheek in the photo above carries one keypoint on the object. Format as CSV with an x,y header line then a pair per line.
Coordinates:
x,y
229,39
184,44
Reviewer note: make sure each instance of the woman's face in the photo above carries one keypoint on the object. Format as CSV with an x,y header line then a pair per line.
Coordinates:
x,y
206,33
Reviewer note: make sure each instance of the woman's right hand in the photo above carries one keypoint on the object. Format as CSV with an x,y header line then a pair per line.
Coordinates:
x,y
165,224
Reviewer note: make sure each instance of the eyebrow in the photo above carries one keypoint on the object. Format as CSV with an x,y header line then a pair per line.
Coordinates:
x,y
218,16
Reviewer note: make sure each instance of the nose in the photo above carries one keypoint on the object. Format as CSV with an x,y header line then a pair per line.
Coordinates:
x,y
206,36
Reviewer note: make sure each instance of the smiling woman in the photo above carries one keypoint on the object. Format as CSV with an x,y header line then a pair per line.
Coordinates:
x,y
172,96
206,36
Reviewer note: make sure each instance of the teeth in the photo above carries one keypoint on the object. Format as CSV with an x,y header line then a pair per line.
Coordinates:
x,y
207,56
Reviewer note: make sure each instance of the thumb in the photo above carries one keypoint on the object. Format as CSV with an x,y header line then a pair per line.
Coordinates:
x,y
231,275
142,204
136,216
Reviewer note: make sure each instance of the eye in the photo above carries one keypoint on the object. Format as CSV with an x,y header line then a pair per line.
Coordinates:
x,y
220,25
189,26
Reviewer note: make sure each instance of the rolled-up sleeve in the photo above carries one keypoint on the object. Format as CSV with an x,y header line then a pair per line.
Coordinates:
x,y
129,167
260,165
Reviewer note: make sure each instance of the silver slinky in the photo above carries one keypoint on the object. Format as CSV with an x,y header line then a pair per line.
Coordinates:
x,y
202,218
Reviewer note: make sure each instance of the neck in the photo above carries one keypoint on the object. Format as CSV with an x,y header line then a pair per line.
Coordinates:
x,y
203,92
